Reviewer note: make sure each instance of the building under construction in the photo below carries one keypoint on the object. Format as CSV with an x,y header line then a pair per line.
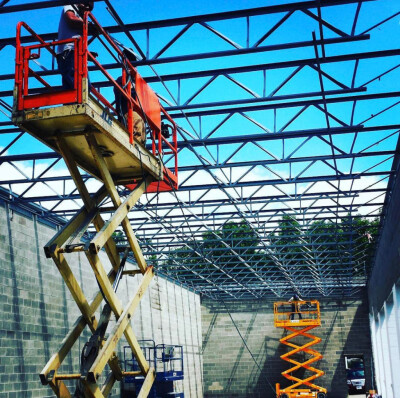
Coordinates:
x,y
199,199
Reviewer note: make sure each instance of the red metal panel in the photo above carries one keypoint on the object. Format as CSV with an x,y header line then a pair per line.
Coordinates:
x,y
149,101
50,98
157,186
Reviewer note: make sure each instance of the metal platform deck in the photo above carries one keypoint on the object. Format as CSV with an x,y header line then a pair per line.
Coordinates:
x,y
74,122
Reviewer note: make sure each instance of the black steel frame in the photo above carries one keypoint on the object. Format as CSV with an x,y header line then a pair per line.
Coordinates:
x,y
219,185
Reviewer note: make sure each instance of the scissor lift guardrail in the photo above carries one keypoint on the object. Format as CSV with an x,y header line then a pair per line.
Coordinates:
x,y
308,317
82,129
166,359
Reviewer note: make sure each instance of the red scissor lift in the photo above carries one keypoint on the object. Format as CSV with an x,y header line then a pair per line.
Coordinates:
x,y
28,105
81,124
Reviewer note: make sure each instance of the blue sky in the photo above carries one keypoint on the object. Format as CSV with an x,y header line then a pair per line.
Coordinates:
x,y
198,39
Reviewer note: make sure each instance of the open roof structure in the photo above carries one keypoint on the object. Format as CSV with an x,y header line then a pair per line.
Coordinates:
x,y
288,139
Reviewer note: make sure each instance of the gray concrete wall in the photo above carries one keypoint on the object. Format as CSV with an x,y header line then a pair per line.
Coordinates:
x,y
37,311
229,370
385,331
384,296
386,271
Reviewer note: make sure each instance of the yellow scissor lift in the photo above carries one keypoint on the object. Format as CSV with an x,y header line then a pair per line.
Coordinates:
x,y
298,318
81,129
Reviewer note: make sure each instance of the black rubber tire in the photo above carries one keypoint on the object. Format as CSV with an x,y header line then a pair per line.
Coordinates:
x,y
321,395
284,396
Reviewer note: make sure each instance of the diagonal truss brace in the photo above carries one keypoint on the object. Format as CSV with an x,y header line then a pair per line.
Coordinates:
x,y
67,240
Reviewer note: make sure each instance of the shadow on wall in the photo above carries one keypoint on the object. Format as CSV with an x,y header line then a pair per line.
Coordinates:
x,y
239,355
357,341
273,366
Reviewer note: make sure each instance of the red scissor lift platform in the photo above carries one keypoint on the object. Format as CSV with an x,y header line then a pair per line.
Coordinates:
x,y
73,114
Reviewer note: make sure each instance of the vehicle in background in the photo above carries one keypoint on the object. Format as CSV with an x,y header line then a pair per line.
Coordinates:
x,y
356,380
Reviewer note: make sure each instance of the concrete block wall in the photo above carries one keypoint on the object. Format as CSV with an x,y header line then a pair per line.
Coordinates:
x,y
385,331
37,310
386,271
230,371
384,296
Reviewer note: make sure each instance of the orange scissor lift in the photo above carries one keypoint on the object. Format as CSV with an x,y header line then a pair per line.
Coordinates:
x,y
82,126
298,318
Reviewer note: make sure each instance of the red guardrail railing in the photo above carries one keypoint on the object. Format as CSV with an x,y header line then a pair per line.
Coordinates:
x,y
145,102
24,54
